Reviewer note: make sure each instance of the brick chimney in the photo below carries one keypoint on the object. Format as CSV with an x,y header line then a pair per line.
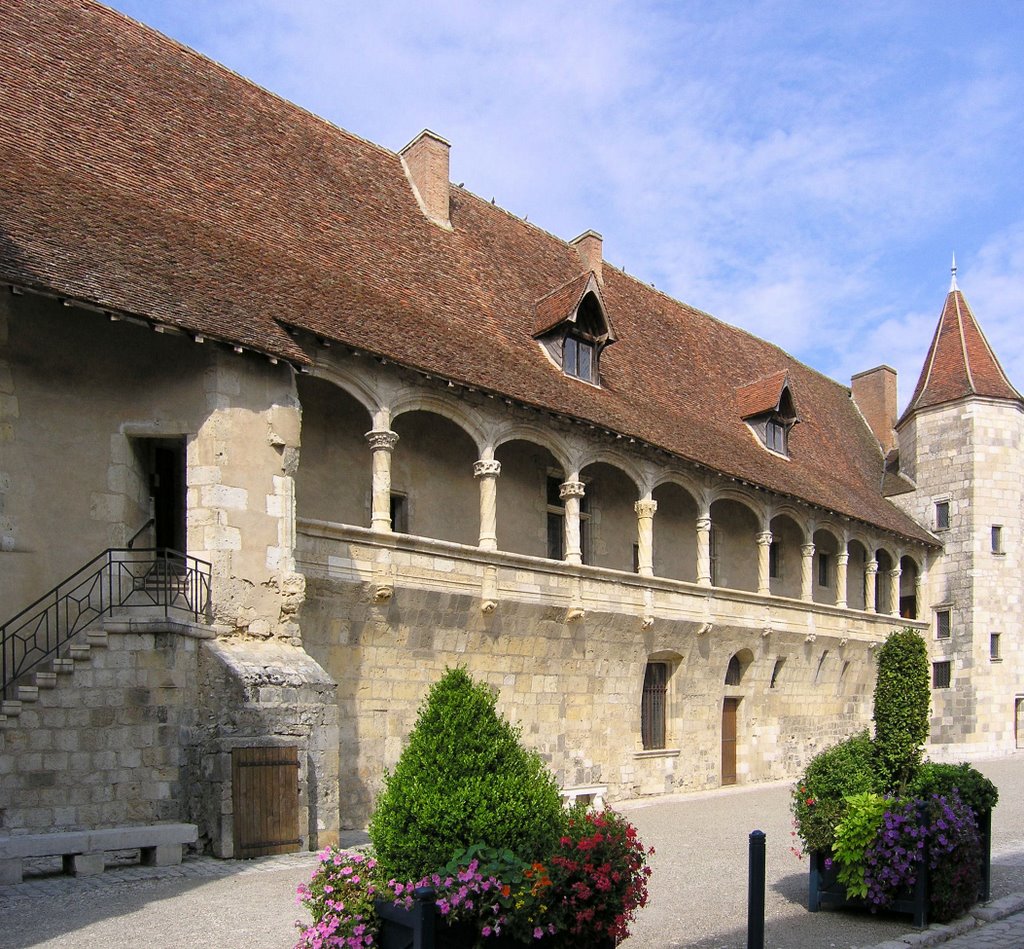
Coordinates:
x,y
874,391
425,160
589,245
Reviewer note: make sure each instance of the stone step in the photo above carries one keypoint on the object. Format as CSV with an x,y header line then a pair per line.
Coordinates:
x,y
3,720
10,707
28,693
63,666
96,637
79,651
46,680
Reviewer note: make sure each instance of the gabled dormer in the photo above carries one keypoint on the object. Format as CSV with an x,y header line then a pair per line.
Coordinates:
x,y
768,408
572,326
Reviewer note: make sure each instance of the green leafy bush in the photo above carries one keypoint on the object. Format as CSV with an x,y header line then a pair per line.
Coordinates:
x,y
975,790
854,834
463,779
902,699
833,775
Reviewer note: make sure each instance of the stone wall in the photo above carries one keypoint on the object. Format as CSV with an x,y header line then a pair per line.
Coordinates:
x,y
105,744
575,684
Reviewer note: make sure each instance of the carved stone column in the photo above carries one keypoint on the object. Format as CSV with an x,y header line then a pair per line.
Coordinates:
x,y
704,550
571,492
870,572
894,591
764,544
382,443
487,471
920,598
806,572
842,561
645,536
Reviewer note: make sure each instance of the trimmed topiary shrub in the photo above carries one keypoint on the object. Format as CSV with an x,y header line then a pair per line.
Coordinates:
x,y
973,788
902,699
833,775
463,779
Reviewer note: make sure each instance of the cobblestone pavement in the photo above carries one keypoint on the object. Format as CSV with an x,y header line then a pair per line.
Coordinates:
x,y
698,891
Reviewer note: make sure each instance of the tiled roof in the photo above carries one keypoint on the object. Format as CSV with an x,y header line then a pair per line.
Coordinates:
x,y
960,362
762,396
138,176
560,304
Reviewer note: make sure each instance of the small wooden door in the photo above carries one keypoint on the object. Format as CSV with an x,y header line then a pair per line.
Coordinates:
x,y
265,794
729,707
1020,723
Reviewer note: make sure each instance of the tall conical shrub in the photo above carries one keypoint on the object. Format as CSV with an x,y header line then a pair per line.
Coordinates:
x,y
902,700
463,779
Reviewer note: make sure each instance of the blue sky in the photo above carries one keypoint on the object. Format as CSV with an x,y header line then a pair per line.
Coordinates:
x,y
802,169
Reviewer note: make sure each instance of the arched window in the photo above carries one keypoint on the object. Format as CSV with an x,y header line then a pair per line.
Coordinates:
x,y
734,672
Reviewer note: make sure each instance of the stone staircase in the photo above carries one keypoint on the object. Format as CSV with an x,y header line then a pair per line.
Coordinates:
x,y
79,653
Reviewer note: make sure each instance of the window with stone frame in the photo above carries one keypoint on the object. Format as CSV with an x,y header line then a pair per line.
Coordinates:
x,y
399,513
942,674
943,626
942,515
775,559
993,647
654,705
997,538
824,570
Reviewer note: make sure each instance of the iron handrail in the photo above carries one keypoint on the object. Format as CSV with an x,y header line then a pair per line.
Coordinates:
x,y
139,532
118,578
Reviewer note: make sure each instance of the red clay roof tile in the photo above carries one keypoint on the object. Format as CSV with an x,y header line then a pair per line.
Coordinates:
x,y
139,176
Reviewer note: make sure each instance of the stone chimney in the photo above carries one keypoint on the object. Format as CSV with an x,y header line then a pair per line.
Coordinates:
x,y
589,245
874,391
425,160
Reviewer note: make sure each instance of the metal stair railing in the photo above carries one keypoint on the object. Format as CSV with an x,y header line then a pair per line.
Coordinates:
x,y
117,579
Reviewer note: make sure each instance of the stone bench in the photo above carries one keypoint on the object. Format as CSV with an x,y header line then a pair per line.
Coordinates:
x,y
83,851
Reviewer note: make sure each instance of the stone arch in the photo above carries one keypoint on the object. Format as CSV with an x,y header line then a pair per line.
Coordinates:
x,y
859,554
824,575
432,476
538,435
735,526
334,478
740,497
737,666
886,561
614,459
675,531
786,554
529,518
909,588
611,493
467,419
352,383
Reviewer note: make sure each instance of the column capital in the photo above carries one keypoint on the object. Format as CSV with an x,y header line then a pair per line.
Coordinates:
x,y
871,566
807,549
571,489
764,538
486,469
704,522
842,558
645,508
896,573
382,440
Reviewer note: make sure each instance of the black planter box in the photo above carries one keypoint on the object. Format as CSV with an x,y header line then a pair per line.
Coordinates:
x,y
825,889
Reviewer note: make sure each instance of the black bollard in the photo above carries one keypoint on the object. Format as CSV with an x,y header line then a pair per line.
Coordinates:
x,y
755,892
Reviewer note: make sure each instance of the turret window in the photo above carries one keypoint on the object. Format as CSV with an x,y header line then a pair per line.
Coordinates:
x,y
578,358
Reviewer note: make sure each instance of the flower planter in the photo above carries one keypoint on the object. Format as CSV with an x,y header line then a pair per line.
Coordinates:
x,y
422,927
825,889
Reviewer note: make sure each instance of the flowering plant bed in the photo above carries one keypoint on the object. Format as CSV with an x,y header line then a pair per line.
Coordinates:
x,y
585,894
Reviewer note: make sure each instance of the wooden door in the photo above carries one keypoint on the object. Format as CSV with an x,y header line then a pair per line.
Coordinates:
x,y
265,794
729,707
1020,723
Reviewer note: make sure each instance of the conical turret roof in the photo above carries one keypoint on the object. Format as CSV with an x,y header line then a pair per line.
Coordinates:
x,y
960,361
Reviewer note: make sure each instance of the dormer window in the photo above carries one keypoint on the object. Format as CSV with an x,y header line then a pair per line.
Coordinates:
x,y
768,409
578,358
573,328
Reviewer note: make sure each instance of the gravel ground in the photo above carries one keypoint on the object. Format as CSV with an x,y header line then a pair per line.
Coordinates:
x,y
698,891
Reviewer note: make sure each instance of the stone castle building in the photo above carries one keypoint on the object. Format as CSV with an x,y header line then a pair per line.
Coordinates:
x,y
385,427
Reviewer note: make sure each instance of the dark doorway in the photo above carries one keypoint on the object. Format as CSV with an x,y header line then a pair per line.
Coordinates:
x,y
729,707
166,471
